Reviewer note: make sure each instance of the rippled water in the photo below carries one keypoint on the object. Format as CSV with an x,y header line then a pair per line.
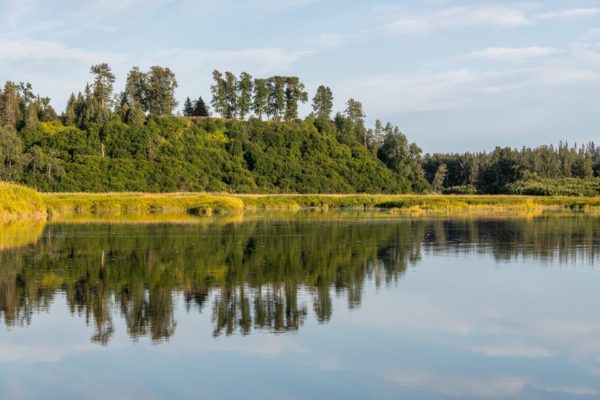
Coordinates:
x,y
305,306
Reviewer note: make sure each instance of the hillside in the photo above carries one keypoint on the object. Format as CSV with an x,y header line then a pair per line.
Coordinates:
x,y
199,154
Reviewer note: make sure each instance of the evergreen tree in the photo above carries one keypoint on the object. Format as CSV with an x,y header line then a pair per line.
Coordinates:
x,y
104,80
9,104
70,115
188,108
322,104
200,108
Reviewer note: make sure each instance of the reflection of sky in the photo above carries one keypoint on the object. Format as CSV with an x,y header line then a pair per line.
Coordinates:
x,y
464,327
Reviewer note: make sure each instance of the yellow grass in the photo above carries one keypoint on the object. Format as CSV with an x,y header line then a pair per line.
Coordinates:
x,y
18,202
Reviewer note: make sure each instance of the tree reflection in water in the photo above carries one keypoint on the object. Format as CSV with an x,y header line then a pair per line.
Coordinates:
x,y
256,275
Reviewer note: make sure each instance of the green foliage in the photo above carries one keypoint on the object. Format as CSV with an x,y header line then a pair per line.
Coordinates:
x,y
541,170
556,187
12,158
177,154
322,103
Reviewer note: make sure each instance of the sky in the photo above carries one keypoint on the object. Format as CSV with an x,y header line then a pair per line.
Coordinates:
x,y
453,75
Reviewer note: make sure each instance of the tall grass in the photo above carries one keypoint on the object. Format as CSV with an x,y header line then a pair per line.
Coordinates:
x,y
19,202
141,203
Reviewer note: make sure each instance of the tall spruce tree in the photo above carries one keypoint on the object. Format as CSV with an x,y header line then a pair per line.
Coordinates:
x,y
9,105
200,108
188,108
104,80
70,115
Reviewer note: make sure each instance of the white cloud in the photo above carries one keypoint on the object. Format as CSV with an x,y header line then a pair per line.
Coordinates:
x,y
37,50
520,54
265,60
457,386
513,350
459,17
573,390
567,14
484,16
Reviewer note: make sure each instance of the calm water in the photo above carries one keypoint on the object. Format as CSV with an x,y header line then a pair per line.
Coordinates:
x,y
302,307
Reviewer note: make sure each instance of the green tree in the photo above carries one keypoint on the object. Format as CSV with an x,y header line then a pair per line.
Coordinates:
x,y
276,97
104,80
200,108
294,93
160,91
440,177
403,158
322,103
354,112
260,100
244,94
231,87
135,88
188,108
9,104
219,98
11,154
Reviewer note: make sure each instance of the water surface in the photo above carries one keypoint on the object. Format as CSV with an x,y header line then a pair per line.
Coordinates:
x,y
303,307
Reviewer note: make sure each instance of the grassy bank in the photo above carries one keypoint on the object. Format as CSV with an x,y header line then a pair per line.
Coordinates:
x,y
141,203
18,202
424,204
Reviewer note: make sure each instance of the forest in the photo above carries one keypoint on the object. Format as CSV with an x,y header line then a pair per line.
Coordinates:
x,y
250,138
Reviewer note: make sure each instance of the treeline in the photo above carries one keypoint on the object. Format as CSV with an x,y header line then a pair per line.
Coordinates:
x,y
545,170
107,141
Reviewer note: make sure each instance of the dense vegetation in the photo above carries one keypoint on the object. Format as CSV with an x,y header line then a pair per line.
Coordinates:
x,y
545,170
130,141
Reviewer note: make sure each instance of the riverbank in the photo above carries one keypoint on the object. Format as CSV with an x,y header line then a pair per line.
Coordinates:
x,y
18,202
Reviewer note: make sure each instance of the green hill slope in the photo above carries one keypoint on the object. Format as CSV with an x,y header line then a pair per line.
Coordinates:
x,y
182,154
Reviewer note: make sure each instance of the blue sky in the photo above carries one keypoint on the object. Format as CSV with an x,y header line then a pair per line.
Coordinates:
x,y
453,75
